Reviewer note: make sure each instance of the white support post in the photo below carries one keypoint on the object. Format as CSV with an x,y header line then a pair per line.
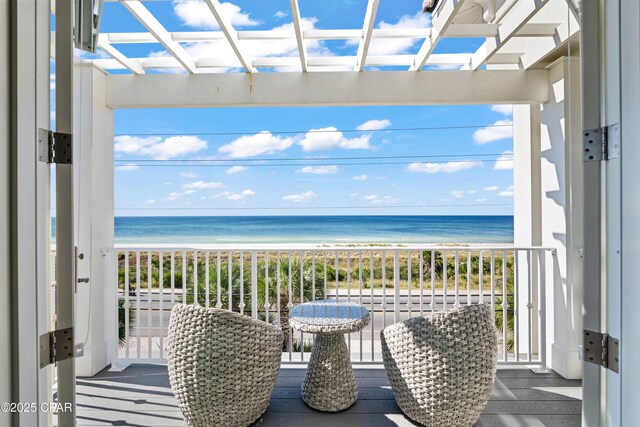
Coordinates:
x,y
95,212
562,216
527,211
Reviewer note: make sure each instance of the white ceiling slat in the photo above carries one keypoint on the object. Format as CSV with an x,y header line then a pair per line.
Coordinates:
x,y
230,34
302,50
513,22
441,21
132,65
408,33
538,30
367,32
142,14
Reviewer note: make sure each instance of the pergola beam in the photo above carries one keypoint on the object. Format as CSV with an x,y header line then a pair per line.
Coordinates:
x,y
142,14
327,89
441,22
302,50
132,65
367,33
230,34
516,20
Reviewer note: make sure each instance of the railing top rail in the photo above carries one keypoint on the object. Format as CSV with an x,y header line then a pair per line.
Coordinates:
x,y
323,247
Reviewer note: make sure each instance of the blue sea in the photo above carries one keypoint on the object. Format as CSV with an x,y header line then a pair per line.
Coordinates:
x,y
314,229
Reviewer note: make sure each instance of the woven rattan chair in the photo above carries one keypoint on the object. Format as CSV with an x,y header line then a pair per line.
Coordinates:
x,y
222,365
442,367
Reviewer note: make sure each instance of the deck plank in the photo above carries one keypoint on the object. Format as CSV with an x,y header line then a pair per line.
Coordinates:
x,y
141,396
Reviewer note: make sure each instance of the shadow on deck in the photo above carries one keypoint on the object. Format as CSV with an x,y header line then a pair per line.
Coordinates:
x,y
141,396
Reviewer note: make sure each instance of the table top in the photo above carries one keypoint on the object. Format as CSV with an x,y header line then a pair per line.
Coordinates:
x,y
329,316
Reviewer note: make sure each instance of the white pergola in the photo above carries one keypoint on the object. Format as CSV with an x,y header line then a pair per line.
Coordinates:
x,y
518,38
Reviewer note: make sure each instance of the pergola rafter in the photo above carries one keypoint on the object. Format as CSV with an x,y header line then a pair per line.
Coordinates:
x,y
230,34
517,39
162,36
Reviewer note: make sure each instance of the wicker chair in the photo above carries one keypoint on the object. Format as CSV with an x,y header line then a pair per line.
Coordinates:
x,y
442,367
222,365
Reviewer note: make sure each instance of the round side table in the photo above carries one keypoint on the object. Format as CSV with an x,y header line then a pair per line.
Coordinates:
x,y
329,384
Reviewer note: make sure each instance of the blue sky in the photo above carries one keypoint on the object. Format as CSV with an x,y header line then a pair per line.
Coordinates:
x,y
459,170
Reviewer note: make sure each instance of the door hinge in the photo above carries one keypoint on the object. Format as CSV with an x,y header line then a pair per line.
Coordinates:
x,y
55,147
56,346
601,144
601,349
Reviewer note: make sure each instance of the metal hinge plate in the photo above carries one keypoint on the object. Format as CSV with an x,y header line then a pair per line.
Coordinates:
x,y
55,147
601,349
601,144
56,346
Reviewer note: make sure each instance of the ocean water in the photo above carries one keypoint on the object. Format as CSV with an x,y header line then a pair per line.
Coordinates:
x,y
315,229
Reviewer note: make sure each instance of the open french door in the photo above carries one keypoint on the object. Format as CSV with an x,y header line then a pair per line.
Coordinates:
x,y
611,118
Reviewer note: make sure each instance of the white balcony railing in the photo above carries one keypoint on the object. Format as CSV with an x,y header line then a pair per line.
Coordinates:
x,y
393,282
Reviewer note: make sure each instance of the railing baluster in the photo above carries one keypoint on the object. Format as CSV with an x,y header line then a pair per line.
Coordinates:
x,y
384,290
241,297
289,305
493,283
433,281
161,305
301,256
184,277
127,288
542,303
530,306
173,279
360,294
349,293
505,307
469,277
278,289
480,276
230,280
421,264
266,287
138,343
396,286
409,285
337,277
206,279
456,267
373,327
313,276
516,305
324,252
195,278
254,284
149,280
444,279
218,281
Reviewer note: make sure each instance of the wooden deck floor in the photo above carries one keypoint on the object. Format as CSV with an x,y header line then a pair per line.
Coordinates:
x,y
141,396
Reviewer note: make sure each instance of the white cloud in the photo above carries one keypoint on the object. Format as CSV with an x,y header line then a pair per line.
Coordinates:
x,y
302,197
501,129
319,170
491,188
128,167
471,192
363,177
374,125
188,174
150,201
254,145
201,185
507,110
481,200
457,194
375,199
504,162
399,45
508,192
196,13
448,167
330,138
173,195
354,194
157,148
235,196
235,169
281,14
